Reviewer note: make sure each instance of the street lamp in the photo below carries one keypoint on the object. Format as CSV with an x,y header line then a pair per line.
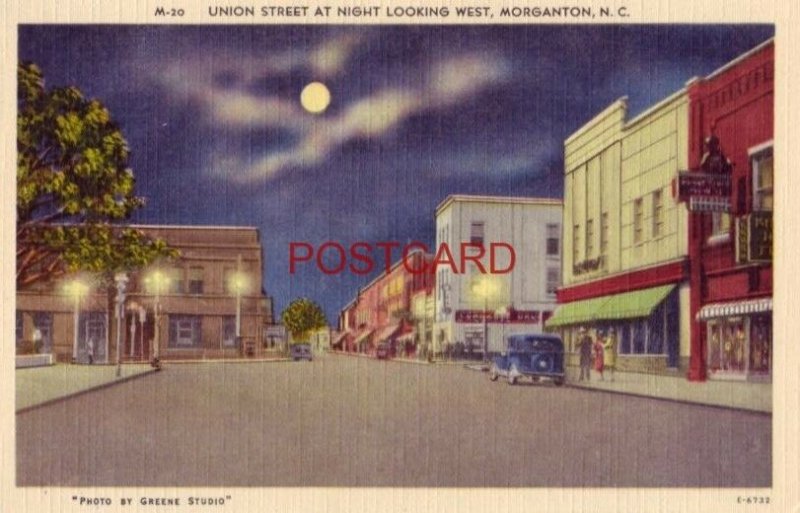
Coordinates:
x,y
142,319
238,285
76,289
157,283
121,281
484,289
502,315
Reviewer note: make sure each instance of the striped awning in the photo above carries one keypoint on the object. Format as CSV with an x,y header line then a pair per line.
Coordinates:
x,y
341,336
745,307
388,332
363,336
407,337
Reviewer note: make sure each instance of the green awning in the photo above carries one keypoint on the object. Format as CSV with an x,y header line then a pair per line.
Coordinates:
x,y
576,312
627,305
630,305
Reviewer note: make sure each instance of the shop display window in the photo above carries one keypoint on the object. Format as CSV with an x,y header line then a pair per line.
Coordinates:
x,y
739,345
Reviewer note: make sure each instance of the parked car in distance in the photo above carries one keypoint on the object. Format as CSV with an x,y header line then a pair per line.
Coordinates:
x,y
536,356
382,352
300,352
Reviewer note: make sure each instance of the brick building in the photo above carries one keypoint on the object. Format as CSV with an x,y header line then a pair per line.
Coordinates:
x,y
218,274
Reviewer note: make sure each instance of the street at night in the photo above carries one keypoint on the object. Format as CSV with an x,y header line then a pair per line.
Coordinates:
x,y
354,421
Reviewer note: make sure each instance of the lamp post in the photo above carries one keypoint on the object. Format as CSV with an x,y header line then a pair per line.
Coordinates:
x,y
238,285
76,289
157,282
121,281
484,288
133,308
502,314
142,319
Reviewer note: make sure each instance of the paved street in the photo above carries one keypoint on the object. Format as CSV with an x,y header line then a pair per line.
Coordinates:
x,y
344,421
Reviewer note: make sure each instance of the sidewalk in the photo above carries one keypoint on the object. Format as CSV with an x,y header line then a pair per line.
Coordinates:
x,y
740,395
728,394
43,385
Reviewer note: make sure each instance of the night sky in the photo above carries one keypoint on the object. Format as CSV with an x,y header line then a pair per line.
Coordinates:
x,y
218,136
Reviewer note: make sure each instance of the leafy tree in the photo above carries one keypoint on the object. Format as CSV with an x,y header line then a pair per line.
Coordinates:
x,y
303,316
73,186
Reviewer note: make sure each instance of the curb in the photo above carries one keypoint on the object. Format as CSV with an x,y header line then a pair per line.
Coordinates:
x,y
670,399
571,384
401,360
107,384
243,360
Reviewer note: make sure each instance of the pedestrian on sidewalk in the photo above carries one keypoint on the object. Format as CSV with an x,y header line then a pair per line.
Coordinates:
x,y
610,352
598,356
585,350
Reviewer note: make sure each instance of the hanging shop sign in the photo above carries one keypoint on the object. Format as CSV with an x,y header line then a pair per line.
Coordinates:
x,y
754,238
709,204
510,317
695,183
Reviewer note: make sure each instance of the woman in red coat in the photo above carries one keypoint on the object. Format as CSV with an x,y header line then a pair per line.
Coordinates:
x,y
599,362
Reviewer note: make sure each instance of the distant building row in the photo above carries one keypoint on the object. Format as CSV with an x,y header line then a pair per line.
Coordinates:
x,y
453,313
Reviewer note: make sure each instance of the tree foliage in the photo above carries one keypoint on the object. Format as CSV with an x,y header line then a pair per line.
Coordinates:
x,y
73,186
303,316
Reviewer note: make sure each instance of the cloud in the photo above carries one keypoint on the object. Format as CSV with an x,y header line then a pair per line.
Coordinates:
x,y
329,58
246,110
222,85
231,102
459,77
448,82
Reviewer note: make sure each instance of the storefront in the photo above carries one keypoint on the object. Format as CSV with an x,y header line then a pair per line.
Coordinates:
x,y
644,322
730,250
361,341
739,339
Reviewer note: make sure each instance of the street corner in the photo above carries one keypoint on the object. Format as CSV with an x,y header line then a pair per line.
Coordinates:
x,y
40,386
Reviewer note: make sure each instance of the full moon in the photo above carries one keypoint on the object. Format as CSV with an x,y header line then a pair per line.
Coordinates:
x,y
315,97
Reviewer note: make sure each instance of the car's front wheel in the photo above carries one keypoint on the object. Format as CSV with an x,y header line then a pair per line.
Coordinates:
x,y
512,375
558,381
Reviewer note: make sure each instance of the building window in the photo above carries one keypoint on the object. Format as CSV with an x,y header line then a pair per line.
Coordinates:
x,y
762,180
43,331
637,221
658,214
176,280
604,233
476,232
589,238
727,344
553,275
553,235
227,278
720,224
184,331
93,330
195,280
229,331
18,329
576,243
760,343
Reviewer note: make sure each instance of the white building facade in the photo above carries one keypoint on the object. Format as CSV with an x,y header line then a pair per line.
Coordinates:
x,y
474,310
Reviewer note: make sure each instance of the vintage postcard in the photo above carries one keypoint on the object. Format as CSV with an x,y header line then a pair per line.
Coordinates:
x,y
387,256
